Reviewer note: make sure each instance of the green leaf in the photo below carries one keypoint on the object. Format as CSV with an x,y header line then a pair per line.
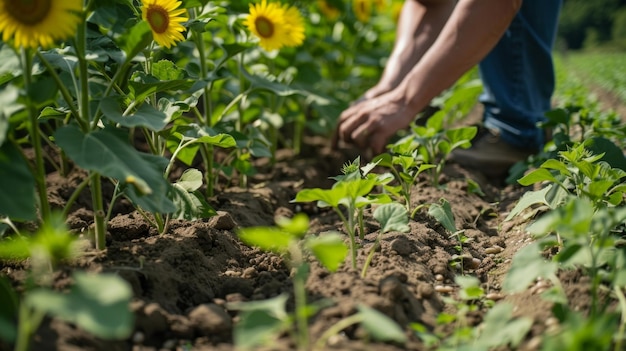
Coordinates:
x,y
99,304
190,180
105,152
277,88
261,321
392,217
190,205
379,326
470,287
8,311
598,188
443,214
502,329
528,265
167,70
329,249
143,85
557,165
539,197
461,137
328,197
136,39
16,183
145,116
296,226
536,176
267,238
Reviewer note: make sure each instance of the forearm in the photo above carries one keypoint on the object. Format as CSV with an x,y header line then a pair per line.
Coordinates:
x,y
474,28
418,26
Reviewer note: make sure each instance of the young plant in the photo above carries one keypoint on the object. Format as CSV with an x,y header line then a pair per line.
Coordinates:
x,y
289,238
579,172
499,327
406,165
434,142
586,237
352,193
96,303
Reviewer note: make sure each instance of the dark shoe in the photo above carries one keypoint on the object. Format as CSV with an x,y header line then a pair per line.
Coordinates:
x,y
490,155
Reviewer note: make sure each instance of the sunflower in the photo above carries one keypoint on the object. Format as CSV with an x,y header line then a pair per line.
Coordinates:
x,y
396,9
165,18
362,9
380,5
34,23
328,10
295,26
267,22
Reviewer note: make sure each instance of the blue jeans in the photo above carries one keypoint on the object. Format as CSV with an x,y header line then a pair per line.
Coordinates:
x,y
518,75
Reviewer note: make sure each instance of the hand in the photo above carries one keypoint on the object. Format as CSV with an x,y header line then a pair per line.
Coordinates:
x,y
370,122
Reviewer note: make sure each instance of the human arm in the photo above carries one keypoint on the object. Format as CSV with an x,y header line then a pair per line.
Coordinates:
x,y
419,25
473,29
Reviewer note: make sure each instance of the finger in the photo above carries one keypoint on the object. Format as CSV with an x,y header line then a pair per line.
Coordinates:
x,y
361,135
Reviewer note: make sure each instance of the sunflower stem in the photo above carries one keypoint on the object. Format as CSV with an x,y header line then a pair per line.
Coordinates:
x,y
98,211
62,88
208,152
97,203
83,94
39,171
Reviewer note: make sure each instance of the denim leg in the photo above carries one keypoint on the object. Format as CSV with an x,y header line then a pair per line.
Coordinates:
x,y
518,75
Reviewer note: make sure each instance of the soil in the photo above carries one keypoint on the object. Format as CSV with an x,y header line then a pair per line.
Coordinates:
x,y
183,280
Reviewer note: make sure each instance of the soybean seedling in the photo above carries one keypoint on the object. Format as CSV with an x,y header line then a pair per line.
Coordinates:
x,y
96,303
287,238
351,192
435,143
406,165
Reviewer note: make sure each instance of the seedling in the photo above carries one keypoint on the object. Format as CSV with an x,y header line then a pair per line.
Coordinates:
x,y
289,239
406,165
96,303
435,143
351,192
498,329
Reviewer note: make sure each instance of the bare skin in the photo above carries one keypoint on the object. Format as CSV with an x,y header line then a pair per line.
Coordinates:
x,y
437,41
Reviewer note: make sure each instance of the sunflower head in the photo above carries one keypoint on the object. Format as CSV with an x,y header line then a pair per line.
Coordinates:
x,y
35,23
362,10
295,26
165,20
274,25
328,10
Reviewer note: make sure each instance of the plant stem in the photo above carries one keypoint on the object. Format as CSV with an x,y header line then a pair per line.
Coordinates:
x,y
299,291
622,325
74,196
348,223
336,329
40,171
83,94
27,325
370,255
207,151
98,210
62,88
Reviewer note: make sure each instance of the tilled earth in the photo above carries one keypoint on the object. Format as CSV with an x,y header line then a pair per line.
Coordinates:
x,y
183,280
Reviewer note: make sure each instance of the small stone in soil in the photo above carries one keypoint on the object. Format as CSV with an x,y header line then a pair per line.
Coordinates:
x,y
210,319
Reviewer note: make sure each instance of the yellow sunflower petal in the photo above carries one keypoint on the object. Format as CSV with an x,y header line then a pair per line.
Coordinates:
x,y
165,18
35,23
362,10
295,24
267,22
